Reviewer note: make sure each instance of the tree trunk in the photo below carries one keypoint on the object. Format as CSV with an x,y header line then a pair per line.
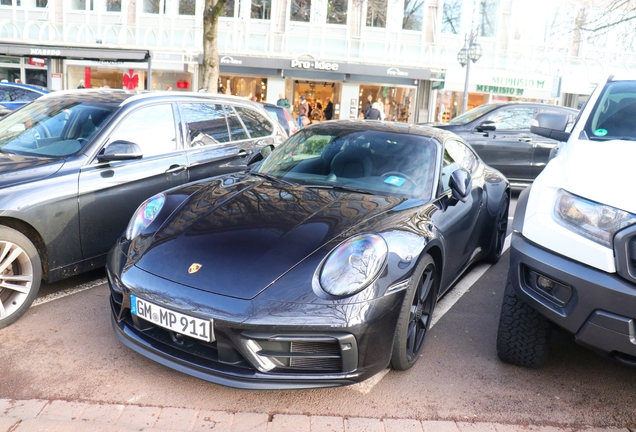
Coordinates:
x,y
210,44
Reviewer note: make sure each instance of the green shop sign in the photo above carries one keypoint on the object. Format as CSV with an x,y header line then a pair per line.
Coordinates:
x,y
500,90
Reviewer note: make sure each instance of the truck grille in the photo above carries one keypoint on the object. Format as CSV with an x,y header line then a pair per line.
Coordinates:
x,y
625,253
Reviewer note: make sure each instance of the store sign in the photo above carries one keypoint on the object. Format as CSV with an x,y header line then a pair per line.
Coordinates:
x,y
230,60
34,61
527,83
511,91
318,65
396,72
45,52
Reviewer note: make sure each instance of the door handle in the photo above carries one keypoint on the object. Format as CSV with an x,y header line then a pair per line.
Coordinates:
x,y
176,169
242,153
525,139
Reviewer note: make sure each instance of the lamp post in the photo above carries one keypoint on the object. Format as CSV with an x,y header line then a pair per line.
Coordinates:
x,y
470,52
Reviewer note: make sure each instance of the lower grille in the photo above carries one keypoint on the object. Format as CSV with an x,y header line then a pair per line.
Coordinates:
x,y
327,356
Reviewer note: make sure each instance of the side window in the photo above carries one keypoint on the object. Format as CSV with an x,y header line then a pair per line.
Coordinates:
x,y
257,125
513,118
18,94
151,128
457,155
206,124
237,132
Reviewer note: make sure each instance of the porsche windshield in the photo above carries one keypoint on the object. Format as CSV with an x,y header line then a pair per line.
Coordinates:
x,y
51,127
613,115
373,161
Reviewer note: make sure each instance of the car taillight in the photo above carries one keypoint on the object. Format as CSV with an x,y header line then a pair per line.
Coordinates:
x,y
293,127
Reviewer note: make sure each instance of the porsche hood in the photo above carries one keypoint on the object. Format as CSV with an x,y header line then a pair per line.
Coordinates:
x,y
236,241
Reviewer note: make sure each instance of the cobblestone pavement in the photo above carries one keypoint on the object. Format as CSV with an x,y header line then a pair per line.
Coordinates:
x,y
62,416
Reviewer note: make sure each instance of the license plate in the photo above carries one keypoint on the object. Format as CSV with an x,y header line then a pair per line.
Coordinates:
x,y
177,322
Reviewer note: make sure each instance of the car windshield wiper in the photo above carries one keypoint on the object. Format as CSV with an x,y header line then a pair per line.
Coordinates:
x,y
272,178
613,138
342,189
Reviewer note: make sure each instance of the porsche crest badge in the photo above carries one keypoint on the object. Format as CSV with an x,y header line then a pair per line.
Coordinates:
x,y
194,268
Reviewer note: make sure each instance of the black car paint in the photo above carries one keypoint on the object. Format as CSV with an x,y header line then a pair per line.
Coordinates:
x,y
278,235
74,208
520,155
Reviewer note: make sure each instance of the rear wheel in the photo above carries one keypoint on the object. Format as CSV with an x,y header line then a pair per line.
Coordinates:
x,y
524,334
499,232
415,316
20,275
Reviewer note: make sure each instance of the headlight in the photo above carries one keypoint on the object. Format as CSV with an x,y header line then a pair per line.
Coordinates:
x,y
353,264
594,221
145,214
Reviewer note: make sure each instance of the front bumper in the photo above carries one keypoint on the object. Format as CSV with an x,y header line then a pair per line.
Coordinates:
x,y
599,308
310,346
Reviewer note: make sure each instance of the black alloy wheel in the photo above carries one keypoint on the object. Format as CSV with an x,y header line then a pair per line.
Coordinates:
x,y
500,231
416,314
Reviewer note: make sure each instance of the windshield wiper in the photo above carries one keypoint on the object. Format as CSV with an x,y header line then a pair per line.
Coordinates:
x,y
342,189
613,138
272,178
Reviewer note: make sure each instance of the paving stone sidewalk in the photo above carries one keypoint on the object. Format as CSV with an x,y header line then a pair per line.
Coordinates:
x,y
62,416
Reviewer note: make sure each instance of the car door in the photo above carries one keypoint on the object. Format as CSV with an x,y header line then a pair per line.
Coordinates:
x,y
216,140
109,193
457,222
509,147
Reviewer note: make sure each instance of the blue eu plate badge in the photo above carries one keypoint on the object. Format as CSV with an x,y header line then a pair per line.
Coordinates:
x,y
395,181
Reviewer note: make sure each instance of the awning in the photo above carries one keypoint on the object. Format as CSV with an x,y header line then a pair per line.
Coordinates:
x,y
66,52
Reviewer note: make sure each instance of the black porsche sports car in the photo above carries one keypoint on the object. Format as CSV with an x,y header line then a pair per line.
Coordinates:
x,y
319,267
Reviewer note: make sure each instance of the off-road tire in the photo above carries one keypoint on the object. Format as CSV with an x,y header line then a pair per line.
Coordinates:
x,y
524,334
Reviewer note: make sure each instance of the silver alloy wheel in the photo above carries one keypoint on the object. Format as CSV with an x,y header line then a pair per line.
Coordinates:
x,y
16,277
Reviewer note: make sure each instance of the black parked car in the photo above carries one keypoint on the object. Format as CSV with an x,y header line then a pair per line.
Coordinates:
x,y
318,268
500,134
75,165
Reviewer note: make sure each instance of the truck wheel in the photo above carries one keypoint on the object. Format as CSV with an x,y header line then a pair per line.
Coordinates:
x,y
20,275
524,334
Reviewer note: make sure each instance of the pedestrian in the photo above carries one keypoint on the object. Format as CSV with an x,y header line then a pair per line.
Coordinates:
x,y
368,105
18,81
81,85
328,110
168,87
303,111
282,101
374,113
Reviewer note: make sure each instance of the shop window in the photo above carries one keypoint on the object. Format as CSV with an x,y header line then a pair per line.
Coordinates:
x,y
151,128
487,18
229,10
113,5
376,13
300,10
9,2
41,3
452,16
237,132
413,15
261,9
337,11
257,125
187,7
206,124
81,4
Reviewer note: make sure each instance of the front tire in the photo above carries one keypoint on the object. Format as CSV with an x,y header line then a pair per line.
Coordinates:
x,y
524,334
415,317
20,275
499,231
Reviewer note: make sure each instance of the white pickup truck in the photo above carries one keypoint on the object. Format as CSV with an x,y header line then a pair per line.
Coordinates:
x,y
573,250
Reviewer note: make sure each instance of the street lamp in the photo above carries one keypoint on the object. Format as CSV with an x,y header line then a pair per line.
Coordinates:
x,y
470,51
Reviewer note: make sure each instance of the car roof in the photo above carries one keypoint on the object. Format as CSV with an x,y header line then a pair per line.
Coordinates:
x,y
36,88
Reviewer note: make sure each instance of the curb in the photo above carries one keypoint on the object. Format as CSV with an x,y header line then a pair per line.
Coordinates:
x,y
62,416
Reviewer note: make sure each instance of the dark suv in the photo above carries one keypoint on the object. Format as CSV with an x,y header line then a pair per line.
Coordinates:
x,y
75,165
500,134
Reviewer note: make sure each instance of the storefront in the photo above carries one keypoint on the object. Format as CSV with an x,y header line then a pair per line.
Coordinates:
x,y
488,87
348,86
28,70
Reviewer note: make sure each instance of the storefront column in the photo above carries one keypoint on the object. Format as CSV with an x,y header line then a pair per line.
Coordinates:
x,y
275,86
349,100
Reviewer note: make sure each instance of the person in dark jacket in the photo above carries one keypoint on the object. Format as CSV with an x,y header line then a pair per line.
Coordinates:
x,y
374,113
328,110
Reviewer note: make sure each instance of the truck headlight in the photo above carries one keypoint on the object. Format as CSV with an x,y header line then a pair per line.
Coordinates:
x,y
592,220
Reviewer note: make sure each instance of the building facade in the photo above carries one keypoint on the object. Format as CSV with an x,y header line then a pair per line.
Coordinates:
x,y
402,53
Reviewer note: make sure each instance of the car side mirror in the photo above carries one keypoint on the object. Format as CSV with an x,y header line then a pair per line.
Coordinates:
x,y
461,183
260,155
120,150
551,125
487,125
